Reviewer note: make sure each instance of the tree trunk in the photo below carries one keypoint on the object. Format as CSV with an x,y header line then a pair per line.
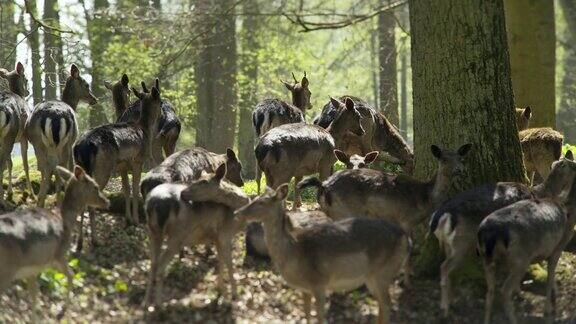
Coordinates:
x,y
387,60
566,113
532,42
216,73
462,92
52,45
99,37
248,86
8,34
404,91
34,42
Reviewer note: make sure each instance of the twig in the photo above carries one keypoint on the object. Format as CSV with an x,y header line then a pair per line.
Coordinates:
x,y
41,23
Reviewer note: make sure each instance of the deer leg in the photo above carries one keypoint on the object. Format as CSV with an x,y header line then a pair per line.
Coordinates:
x,y
126,192
136,174
80,240
490,284
221,262
511,285
58,186
164,258
258,178
2,166
24,152
550,307
155,249
307,306
320,301
379,289
92,219
64,268
33,291
297,195
44,184
9,166
454,258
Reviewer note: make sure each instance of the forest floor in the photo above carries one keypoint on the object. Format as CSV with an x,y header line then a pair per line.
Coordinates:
x,y
110,281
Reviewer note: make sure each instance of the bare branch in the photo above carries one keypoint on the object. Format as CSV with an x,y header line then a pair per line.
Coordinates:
x,y
41,23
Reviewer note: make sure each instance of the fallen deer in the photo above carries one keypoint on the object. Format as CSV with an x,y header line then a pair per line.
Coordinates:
x,y
123,147
52,129
32,240
295,150
176,219
332,256
525,232
380,135
13,115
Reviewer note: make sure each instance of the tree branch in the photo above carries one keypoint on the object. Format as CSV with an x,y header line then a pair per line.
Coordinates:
x,y
41,23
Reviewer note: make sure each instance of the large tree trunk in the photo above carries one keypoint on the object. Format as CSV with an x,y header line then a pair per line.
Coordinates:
x,y
52,45
532,42
248,86
216,76
99,37
8,34
387,60
34,42
462,92
566,112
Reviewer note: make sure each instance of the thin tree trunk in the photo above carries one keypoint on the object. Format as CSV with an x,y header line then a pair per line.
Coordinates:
x,y
8,34
34,42
374,66
387,60
566,113
532,42
204,75
51,48
404,90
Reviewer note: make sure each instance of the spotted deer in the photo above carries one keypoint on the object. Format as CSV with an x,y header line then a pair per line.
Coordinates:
x,y
525,232
13,115
331,256
34,239
52,129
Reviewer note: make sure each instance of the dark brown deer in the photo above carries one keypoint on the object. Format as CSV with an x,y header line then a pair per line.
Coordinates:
x,y
295,150
52,129
13,115
331,256
380,135
525,232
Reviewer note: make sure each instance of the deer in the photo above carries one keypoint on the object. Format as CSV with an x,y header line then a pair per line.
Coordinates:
x,y
123,147
295,150
356,161
52,130
176,219
13,115
34,239
274,112
169,125
187,165
381,135
541,146
525,232
330,256
455,223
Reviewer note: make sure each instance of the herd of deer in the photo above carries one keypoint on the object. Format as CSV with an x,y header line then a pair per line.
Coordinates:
x,y
360,235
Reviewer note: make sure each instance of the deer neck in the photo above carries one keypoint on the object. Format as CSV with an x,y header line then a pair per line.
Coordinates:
x,y
69,211
235,199
439,187
297,101
120,104
280,244
69,96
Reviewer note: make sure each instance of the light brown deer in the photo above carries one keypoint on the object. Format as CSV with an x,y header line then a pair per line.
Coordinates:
x,y
356,161
32,240
331,256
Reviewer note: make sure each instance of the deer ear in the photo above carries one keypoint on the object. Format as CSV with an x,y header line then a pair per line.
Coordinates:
x,y
371,157
304,82
125,80
569,155
436,151
287,85
19,68
79,172
155,93
74,72
464,149
527,112
220,172
108,85
349,103
64,173
282,191
230,154
157,83
335,102
144,87
341,156
137,93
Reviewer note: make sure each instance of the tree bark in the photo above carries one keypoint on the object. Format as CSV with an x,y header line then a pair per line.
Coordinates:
x,y
216,76
462,90
248,87
52,45
8,34
566,113
387,60
34,42
532,43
